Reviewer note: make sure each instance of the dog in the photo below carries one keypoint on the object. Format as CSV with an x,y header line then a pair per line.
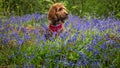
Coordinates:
x,y
57,15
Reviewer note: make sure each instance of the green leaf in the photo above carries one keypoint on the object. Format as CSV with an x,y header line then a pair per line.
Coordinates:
x,y
74,7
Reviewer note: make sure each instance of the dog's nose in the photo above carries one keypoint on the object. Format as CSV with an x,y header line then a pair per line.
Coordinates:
x,y
66,13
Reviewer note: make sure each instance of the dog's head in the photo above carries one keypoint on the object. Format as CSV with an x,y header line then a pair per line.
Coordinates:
x,y
57,12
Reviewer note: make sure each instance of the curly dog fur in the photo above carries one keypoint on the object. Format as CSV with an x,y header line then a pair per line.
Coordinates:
x,y
57,15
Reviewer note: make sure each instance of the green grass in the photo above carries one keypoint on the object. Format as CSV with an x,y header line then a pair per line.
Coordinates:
x,y
88,48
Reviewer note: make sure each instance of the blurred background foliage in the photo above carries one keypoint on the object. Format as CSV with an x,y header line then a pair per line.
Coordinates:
x,y
81,8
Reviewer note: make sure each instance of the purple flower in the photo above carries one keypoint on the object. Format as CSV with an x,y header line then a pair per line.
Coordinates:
x,y
20,41
26,18
64,35
118,30
44,26
37,17
85,63
103,46
82,55
96,21
96,52
95,64
6,40
25,65
36,31
94,42
0,24
17,37
26,37
32,66
71,63
43,66
66,24
90,48
32,56
107,36
3,35
74,38
79,62
24,30
102,29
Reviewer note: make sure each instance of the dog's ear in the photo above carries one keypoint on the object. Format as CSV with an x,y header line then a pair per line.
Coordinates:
x,y
52,13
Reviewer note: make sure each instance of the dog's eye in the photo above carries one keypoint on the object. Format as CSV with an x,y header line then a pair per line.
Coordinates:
x,y
60,9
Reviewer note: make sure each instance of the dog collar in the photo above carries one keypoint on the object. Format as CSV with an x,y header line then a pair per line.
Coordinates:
x,y
56,28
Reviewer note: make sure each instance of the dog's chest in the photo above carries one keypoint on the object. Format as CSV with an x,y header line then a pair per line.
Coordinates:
x,y
56,28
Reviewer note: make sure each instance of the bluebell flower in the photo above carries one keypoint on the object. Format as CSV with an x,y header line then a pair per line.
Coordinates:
x,y
85,63
79,63
32,66
74,38
36,31
116,45
6,40
103,46
54,34
3,35
107,36
99,38
18,28
66,24
0,25
69,49
32,56
12,19
95,64
24,30
37,17
82,55
102,29
26,18
96,52
71,63
20,41
118,30
43,66
44,26
110,42
64,35
90,48
25,65
17,37
96,21
78,27
69,41
26,37
5,30
94,42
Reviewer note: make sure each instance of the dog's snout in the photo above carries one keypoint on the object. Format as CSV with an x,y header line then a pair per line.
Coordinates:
x,y
66,13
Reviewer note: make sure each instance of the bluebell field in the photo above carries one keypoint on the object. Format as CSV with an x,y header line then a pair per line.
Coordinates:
x,y
87,43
